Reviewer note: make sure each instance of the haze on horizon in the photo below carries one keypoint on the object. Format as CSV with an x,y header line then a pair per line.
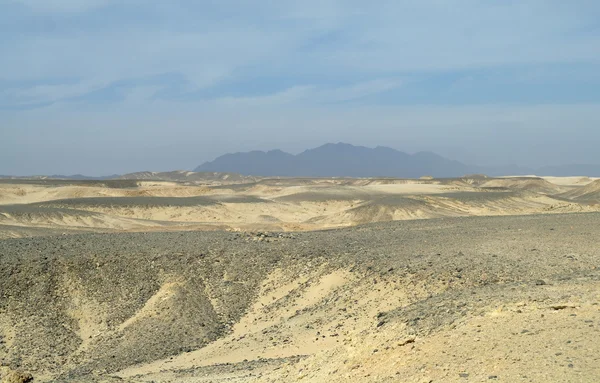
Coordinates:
x,y
104,86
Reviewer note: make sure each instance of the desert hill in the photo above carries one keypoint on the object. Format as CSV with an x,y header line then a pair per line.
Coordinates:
x,y
218,201
222,278
453,300
532,184
589,192
187,176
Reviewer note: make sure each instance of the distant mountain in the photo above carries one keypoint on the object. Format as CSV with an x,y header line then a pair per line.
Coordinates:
x,y
339,160
333,160
345,160
256,163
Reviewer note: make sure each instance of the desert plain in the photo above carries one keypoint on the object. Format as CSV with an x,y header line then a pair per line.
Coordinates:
x,y
192,277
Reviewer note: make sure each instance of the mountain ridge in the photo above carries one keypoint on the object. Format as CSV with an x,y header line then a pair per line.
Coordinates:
x,y
339,160
346,160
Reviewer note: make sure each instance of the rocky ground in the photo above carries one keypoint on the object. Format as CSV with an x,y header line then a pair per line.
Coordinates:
x,y
452,299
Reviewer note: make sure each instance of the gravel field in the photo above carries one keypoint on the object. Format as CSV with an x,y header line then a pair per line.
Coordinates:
x,y
86,307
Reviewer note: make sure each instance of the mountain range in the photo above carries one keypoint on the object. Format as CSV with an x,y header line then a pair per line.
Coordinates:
x,y
345,160
337,160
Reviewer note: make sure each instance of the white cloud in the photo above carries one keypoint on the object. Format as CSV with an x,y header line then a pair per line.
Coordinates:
x,y
357,91
42,94
391,37
313,94
440,35
372,47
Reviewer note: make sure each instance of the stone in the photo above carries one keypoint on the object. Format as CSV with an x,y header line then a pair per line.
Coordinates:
x,y
17,377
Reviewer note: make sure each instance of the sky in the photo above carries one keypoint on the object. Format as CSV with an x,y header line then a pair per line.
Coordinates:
x,y
100,87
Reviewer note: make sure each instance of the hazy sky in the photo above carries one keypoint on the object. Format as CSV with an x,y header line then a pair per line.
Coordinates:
x,y
102,86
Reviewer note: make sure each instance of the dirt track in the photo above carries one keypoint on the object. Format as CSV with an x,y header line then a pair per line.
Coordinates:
x,y
453,299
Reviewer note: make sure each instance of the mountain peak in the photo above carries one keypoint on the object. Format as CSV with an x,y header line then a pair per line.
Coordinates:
x,y
333,146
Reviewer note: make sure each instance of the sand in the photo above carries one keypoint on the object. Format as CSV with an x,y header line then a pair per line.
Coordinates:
x,y
277,204
454,299
277,280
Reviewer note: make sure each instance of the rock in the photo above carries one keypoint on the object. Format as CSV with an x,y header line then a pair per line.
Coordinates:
x,y
407,341
463,375
17,377
562,307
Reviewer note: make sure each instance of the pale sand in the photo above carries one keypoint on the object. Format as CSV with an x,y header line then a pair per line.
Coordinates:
x,y
570,181
287,205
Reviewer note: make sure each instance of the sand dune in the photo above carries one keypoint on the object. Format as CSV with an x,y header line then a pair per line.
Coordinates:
x,y
277,280
570,181
278,204
590,192
533,184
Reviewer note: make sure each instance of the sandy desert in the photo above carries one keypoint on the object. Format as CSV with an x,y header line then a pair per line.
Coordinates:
x,y
299,191
198,278
274,204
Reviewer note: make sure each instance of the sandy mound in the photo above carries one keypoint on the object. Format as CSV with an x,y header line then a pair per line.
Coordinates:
x,y
269,204
28,216
32,193
589,192
569,181
398,207
532,184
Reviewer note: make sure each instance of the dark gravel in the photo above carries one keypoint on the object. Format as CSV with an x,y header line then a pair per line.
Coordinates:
x,y
217,275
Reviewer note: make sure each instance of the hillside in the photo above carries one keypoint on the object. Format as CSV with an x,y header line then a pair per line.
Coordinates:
x,y
589,192
507,299
533,184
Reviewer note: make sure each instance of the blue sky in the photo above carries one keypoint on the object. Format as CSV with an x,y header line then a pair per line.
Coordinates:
x,y
103,86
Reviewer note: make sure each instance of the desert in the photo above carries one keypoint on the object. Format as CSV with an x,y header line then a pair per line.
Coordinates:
x,y
205,201
289,279
317,191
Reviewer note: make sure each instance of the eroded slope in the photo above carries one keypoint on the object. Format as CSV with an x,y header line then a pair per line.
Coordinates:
x,y
449,299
